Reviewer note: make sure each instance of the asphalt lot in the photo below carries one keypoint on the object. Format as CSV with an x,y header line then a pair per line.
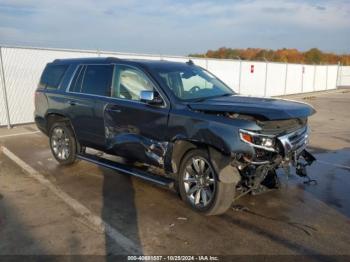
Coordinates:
x,y
297,219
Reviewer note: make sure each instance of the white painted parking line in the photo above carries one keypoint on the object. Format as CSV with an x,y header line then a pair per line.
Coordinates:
x,y
123,241
20,134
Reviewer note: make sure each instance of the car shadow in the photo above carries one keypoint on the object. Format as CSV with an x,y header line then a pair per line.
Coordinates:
x,y
119,211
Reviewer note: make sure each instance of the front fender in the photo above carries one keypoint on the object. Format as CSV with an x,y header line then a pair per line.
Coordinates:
x,y
218,132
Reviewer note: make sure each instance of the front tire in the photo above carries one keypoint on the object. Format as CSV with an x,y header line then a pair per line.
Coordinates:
x,y
63,143
199,185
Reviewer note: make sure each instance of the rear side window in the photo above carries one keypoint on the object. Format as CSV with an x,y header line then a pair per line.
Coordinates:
x,y
77,80
52,76
93,79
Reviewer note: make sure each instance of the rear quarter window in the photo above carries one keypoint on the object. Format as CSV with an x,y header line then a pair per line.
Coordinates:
x,y
52,76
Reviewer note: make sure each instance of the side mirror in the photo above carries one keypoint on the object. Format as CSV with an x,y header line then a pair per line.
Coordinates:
x,y
150,97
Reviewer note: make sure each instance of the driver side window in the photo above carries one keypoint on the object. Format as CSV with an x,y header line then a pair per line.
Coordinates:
x,y
129,82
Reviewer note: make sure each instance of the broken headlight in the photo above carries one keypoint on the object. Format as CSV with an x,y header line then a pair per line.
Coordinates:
x,y
266,142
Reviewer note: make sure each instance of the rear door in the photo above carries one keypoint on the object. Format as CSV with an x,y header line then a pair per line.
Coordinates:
x,y
135,129
90,83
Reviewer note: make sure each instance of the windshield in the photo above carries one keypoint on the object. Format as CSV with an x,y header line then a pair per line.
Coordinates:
x,y
189,82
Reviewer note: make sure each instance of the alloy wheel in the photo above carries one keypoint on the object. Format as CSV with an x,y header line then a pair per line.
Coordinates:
x,y
199,182
60,143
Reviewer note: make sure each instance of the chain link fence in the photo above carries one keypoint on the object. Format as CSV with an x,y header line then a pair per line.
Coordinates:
x,y
21,67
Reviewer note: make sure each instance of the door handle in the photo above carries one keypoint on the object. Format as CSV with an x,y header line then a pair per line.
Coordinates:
x,y
115,110
72,102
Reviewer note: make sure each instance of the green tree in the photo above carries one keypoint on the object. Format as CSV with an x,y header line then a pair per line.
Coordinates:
x,y
313,56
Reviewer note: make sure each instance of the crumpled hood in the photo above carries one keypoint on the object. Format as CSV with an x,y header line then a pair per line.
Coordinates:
x,y
269,108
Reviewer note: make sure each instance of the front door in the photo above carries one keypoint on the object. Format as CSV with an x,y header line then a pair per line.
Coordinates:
x,y
134,129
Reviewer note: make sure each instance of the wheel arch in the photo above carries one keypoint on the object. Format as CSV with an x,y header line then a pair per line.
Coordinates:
x,y
54,117
220,159
178,150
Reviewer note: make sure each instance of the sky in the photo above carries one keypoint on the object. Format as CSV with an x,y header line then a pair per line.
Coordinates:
x,y
176,27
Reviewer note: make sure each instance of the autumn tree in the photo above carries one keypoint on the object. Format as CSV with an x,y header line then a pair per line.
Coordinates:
x,y
312,56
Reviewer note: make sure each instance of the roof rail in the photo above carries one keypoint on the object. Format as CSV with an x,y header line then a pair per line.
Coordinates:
x,y
112,58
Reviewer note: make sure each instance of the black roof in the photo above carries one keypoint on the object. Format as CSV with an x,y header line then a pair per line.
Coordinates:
x,y
101,60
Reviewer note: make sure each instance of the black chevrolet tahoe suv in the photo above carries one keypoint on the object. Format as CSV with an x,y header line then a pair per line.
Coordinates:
x,y
174,124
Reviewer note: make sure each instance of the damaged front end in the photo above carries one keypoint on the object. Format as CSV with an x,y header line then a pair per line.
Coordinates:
x,y
279,144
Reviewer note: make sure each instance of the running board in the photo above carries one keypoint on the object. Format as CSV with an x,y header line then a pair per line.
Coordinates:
x,y
159,180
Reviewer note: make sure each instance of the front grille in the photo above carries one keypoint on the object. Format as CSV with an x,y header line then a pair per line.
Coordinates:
x,y
296,141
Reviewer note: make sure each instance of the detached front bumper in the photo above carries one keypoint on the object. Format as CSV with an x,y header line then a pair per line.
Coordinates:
x,y
283,148
258,171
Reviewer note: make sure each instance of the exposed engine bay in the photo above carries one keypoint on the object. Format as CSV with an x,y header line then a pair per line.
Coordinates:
x,y
279,144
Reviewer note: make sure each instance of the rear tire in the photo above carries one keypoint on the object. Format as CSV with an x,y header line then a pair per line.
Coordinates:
x,y
199,186
63,143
